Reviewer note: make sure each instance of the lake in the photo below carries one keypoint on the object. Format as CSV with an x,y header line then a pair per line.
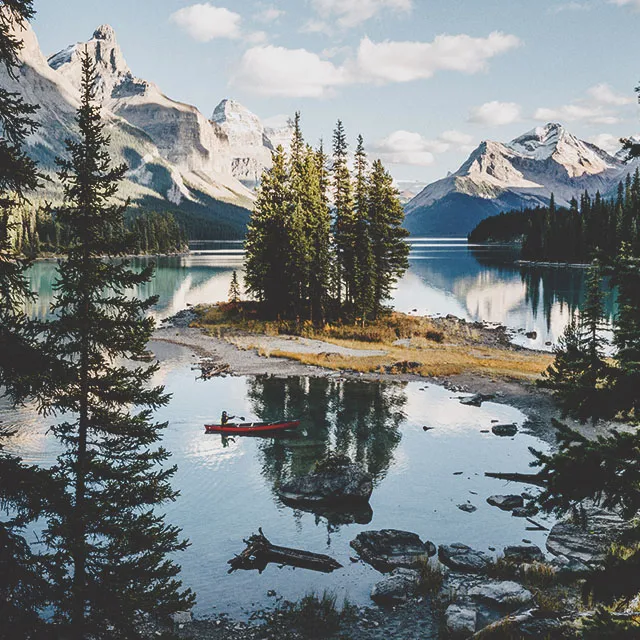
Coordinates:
x,y
228,486
445,276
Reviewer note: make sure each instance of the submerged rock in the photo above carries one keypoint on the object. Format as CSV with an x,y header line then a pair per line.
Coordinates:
x,y
504,430
468,507
460,557
528,511
335,480
397,587
506,503
390,549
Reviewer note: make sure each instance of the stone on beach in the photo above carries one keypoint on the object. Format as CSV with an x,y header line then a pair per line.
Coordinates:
x,y
397,587
460,557
389,549
460,620
523,554
505,595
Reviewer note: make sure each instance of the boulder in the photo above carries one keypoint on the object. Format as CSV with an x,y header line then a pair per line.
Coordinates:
x,y
460,619
528,511
181,617
506,503
335,480
460,557
468,507
504,595
396,588
504,430
390,549
520,554
477,399
589,540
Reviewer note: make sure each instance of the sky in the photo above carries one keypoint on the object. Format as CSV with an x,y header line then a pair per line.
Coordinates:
x,y
424,81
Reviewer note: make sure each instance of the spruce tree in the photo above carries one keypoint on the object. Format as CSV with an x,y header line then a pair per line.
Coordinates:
x,y
343,231
389,249
234,289
363,298
108,540
267,239
626,335
24,490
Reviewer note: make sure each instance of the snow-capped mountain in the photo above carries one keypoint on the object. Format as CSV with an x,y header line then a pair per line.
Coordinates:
x,y
521,173
250,142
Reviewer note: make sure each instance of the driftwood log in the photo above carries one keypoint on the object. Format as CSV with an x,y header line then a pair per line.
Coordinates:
x,y
527,478
210,369
260,552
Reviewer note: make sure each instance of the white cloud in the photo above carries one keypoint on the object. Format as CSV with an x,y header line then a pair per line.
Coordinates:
x,y
302,73
350,13
407,147
622,3
390,61
270,14
576,113
278,71
496,113
571,6
606,141
204,22
603,94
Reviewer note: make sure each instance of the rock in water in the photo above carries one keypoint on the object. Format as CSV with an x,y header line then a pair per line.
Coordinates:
x,y
467,507
396,588
505,430
389,549
460,620
477,399
506,503
336,480
520,554
460,557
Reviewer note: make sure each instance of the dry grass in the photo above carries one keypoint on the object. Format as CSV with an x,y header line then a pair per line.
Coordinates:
x,y
432,347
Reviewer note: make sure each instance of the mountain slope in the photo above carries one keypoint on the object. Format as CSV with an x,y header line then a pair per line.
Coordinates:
x,y
522,173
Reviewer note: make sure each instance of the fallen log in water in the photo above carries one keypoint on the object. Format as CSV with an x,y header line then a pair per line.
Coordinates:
x,y
260,552
527,478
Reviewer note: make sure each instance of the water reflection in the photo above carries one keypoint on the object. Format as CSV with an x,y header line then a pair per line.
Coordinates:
x,y
360,420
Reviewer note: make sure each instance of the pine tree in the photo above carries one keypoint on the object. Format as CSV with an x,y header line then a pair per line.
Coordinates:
x,y
343,232
389,249
626,337
109,542
234,289
24,490
267,239
363,254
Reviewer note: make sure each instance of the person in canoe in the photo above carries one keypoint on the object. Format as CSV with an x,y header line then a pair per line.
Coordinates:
x,y
224,420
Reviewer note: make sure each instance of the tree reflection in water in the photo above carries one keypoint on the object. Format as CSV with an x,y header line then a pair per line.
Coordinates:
x,y
359,419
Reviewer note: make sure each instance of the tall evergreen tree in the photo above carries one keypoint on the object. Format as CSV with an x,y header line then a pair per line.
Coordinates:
x,y
627,333
23,489
389,249
343,232
234,289
363,298
267,239
109,543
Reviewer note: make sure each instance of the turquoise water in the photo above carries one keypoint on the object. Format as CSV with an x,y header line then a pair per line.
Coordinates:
x,y
228,486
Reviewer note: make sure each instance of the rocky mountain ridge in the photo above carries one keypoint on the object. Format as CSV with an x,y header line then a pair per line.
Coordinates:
x,y
521,173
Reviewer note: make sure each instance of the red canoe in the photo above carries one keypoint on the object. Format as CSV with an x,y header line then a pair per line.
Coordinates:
x,y
248,428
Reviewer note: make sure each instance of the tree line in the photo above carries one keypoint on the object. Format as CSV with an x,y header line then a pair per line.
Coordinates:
x,y
35,229
593,224
104,563
325,240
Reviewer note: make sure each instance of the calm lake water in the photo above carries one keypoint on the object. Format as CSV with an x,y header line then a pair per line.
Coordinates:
x,y
228,487
446,276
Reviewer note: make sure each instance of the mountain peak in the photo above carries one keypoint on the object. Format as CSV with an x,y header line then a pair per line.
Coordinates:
x,y
229,110
105,32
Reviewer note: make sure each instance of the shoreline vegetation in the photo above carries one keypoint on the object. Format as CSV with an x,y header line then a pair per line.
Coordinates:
x,y
395,343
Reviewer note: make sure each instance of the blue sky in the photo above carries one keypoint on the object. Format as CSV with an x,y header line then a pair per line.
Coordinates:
x,y
424,81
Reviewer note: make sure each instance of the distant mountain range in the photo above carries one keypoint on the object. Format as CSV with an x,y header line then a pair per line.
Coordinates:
x,y
522,173
202,169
